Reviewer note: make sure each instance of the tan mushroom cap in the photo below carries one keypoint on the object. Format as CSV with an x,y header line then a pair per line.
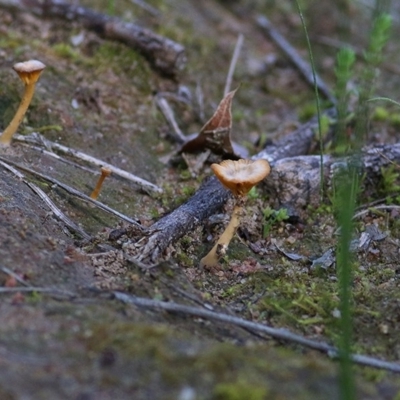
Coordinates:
x,y
29,71
105,171
241,175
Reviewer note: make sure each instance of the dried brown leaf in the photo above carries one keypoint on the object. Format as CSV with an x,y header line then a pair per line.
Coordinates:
x,y
215,134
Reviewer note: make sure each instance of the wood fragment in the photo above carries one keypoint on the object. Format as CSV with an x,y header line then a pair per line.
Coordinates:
x,y
276,333
164,55
39,140
205,202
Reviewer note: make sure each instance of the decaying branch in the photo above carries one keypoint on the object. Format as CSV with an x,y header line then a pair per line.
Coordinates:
x,y
304,68
206,201
165,55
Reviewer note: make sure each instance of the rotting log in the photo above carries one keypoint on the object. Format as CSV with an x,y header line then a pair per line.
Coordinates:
x,y
295,182
165,55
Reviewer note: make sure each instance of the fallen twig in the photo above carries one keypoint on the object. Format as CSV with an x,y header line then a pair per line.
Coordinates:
x,y
73,191
164,54
304,68
166,110
233,63
372,208
14,275
59,158
56,211
41,141
147,7
281,334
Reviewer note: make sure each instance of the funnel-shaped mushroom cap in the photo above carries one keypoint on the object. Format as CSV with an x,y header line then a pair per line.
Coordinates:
x,y
240,176
29,71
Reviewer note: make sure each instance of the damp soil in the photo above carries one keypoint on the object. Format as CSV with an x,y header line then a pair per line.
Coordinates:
x,y
77,341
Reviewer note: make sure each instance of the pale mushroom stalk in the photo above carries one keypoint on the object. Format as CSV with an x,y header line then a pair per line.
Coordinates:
x,y
239,177
29,72
219,249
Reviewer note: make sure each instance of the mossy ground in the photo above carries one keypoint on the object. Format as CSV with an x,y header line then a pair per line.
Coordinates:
x,y
98,97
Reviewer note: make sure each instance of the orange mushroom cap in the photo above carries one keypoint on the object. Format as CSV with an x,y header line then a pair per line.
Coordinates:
x,y
241,175
29,71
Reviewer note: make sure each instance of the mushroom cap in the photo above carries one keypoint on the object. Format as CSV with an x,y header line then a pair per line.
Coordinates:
x,y
29,71
241,175
105,171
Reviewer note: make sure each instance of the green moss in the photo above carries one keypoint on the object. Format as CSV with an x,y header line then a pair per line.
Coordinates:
x,y
239,391
380,114
185,259
64,50
123,59
395,119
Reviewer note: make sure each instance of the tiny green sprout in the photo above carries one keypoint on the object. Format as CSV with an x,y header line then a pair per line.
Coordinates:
x,y
272,217
380,114
390,180
395,119
253,194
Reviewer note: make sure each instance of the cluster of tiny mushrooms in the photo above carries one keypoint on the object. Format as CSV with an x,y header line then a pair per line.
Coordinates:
x,y
238,176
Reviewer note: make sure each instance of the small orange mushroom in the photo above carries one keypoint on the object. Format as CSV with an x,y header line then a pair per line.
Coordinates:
x,y
29,72
96,191
239,177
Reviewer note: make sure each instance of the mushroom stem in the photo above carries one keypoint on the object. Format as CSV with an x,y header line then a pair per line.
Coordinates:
x,y
219,249
5,138
96,191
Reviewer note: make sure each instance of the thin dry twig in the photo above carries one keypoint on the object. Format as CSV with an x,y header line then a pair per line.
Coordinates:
x,y
41,141
166,110
61,159
371,209
46,199
147,7
14,275
73,192
281,334
265,24
232,66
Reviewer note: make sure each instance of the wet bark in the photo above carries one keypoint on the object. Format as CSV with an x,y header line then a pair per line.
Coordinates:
x,y
165,55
